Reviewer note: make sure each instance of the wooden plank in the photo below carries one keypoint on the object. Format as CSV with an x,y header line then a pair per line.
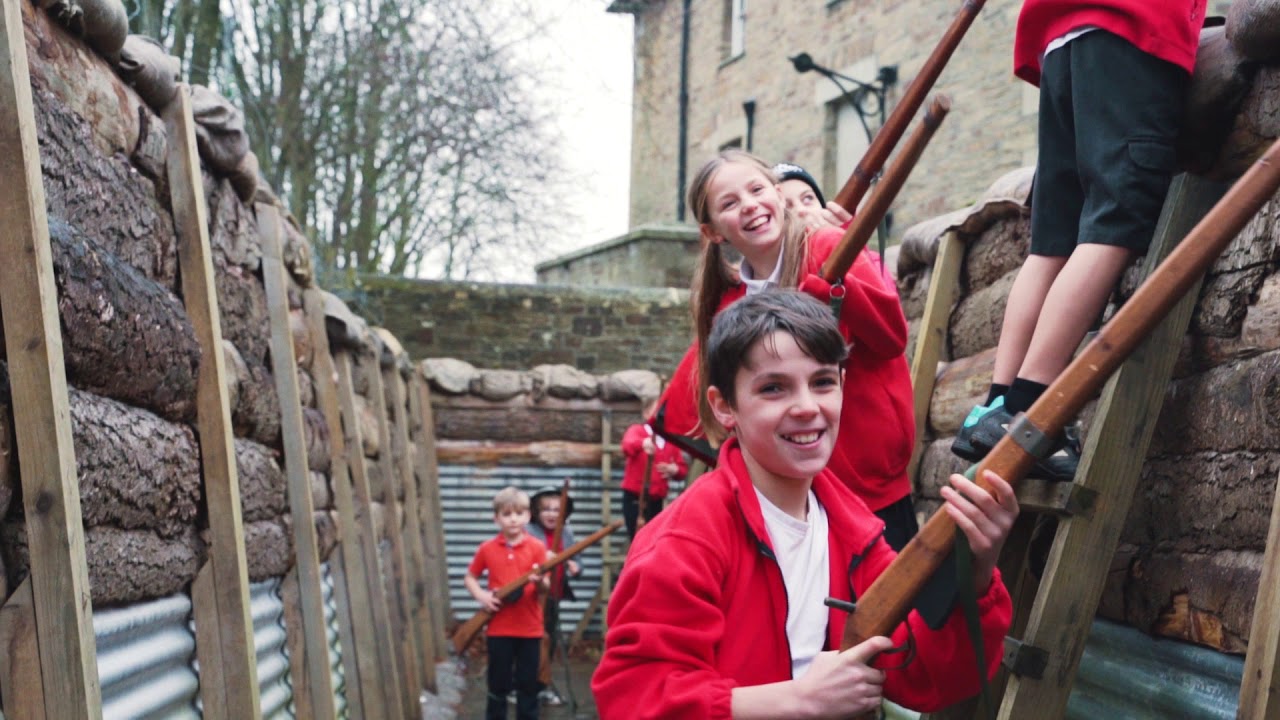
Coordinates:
x,y
389,678
581,628
204,613
1111,464
347,634
352,572
213,425
606,515
312,654
398,598
428,475
931,341
411,535
20,684
1260,686
38,381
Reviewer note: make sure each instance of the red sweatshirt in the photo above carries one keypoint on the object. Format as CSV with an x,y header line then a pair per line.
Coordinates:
x,y
1167,29
702,607
638,460
877,423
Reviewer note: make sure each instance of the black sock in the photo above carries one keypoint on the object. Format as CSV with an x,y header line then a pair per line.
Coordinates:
x,y
996,391
1022,395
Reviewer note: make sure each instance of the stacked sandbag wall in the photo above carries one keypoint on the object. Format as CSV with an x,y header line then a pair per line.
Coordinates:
x,y
1192,547
130,349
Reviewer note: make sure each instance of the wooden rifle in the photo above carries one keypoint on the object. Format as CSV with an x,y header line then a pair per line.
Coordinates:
x,y
886,603
557,535
912,98
864,224
467,631
644,488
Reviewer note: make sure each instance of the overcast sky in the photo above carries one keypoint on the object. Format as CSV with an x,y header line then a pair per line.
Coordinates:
x,y
587,52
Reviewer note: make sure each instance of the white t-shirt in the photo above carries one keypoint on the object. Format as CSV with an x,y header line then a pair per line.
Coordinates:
x,y
801,549
747,274
1063,40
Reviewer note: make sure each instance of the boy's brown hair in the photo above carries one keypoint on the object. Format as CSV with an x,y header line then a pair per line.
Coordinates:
x,y
753,319
510,498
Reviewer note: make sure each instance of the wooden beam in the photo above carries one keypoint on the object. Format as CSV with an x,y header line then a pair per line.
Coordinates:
x,y
38,382
931,341
348,635
428,474
389,679
415,556
1111,464
606,516
204,613
230,575
313,685
398,598
20,682
349,568
1260,686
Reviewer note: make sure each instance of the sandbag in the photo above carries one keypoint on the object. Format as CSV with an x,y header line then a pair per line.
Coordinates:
x,y
1253,28
149,69
1221,81
244,179
103,24
220,135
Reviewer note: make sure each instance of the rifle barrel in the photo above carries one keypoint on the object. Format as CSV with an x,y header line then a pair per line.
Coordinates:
x,y
886,603
912,98
864,224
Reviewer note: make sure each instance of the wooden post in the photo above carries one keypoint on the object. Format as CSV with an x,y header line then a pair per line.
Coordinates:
x,y
433,524
415,557
1260,686
389,678
398,598
932,338
230,576
59,603
1111,463
350,571
606,514
20,683
313,686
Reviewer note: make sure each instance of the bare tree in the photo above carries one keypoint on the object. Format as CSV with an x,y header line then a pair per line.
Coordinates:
x,y
404,135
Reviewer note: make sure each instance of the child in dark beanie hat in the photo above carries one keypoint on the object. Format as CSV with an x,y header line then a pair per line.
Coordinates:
x,y
786,171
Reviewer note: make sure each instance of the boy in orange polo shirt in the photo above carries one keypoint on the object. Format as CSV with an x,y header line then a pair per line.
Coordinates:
x,y
515,632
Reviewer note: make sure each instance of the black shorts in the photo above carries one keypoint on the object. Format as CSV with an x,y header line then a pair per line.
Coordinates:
x,y
1109,116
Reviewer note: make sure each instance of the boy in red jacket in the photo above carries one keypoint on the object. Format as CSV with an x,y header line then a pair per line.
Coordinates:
x,y
639,445
515,632
1112,76
720,613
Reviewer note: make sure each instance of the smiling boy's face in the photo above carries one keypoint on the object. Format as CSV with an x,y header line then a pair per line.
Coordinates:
x,y
786,410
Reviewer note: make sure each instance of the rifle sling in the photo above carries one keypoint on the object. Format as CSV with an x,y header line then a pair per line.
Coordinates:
x,y
969,601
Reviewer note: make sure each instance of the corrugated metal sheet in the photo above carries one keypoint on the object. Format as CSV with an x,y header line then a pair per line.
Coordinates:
x,y
267,610
144,660
1127,675
466,494
335,645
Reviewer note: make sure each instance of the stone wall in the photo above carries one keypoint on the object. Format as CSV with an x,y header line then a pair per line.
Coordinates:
x,y
649,256
598,330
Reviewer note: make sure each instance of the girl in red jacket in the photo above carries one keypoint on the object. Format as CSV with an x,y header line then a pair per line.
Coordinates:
x,y
646,450
738,204
721,614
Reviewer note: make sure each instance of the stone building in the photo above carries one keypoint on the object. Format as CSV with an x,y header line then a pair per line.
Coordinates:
x,y
738,53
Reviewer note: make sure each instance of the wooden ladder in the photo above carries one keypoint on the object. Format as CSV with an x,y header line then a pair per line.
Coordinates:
x,y
1052,617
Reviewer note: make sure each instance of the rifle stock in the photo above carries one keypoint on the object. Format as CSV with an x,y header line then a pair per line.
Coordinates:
x,y
912,98
644,491
864,224
466,632
886,603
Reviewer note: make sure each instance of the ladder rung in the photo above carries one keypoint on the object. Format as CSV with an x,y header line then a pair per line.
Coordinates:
x,y
1024,660
1058,498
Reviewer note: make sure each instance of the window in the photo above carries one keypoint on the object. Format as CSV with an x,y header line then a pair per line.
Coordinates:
x,y
733,38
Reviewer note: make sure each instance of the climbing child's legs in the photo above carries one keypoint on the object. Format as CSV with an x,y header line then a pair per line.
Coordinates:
x,y
1022,311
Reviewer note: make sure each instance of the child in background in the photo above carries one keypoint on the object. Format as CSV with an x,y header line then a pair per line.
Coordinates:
x,y
738,203
515,631
804,200
639,444
1106,158
546,511
720,612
